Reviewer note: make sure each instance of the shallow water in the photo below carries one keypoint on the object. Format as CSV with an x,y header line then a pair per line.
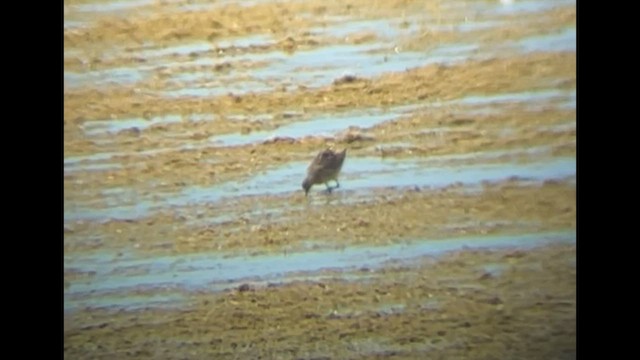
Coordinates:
x,y
111,6
311,68
358,174
131,278
99,127
565,40
324,125
216,272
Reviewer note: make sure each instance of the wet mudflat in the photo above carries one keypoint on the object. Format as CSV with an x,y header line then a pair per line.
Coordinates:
x,y
188,128
474,303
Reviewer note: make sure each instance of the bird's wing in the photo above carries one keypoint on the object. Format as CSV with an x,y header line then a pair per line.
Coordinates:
x,y
321,160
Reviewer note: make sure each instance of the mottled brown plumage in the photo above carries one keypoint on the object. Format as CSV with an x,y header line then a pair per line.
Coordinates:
x,y
325,167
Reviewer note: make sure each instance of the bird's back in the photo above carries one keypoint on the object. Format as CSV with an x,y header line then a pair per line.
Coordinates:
x,y
326,165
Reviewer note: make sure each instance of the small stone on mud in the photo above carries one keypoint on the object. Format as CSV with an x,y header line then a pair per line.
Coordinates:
x,y
486,276
494,301
353,136
345,79
458,122
280,139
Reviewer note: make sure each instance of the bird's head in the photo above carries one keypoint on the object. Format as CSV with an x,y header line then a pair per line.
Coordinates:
x,y
306,185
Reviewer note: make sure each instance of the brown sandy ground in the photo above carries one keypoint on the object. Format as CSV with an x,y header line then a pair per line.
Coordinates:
x,y
387,216
447,308
428,85
529,72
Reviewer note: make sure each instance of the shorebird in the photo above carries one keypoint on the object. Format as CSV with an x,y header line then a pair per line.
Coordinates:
x,y
325,167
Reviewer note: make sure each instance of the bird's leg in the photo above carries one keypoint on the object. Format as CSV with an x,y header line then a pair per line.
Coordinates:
x,y
337,183
329,188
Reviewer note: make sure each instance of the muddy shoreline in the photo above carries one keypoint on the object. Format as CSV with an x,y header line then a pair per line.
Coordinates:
x,y
456,306
188,126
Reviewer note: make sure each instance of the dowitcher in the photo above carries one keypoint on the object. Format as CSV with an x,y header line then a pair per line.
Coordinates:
x,y
325,167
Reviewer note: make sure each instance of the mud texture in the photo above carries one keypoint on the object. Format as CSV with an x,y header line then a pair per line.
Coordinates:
x,y
446,308
188,126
